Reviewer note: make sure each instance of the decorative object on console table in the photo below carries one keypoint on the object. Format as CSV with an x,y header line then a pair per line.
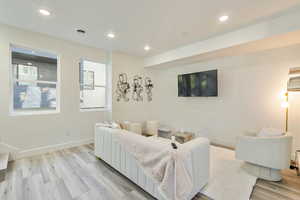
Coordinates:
x,y
183,137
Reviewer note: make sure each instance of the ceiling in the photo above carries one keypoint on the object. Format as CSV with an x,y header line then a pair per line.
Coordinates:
x,y
163,24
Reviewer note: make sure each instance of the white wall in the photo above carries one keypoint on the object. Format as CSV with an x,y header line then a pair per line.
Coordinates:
x,y
27,132
131,65
249,96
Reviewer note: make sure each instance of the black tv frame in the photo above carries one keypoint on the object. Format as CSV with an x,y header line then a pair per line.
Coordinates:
x,y
216,89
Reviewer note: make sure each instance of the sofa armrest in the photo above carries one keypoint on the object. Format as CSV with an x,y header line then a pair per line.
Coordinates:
x,y
199,148
273,152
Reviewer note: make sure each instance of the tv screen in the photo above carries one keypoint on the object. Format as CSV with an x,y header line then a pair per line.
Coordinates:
x,y
200,84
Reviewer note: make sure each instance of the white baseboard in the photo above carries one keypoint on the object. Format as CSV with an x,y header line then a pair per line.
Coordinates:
x,y
51,148
7,148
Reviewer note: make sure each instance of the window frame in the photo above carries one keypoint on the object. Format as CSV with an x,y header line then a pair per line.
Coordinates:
x,y
106,107
12,80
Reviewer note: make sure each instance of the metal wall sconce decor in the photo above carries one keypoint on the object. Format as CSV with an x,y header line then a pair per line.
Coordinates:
x,y
149,86
137,88
123,88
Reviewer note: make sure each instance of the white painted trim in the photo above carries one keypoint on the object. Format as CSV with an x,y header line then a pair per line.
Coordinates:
x,y
51,148
95,109
34,112
30,81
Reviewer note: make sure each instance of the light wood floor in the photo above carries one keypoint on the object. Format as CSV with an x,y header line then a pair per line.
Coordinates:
x,y
77,174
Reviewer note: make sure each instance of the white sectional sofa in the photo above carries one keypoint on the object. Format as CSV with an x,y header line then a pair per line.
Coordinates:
x,y
112,152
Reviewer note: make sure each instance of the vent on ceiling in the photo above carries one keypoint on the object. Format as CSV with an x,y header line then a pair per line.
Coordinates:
x,y
294,79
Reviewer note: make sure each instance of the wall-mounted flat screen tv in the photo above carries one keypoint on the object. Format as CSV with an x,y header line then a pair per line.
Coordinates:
x,y
200,84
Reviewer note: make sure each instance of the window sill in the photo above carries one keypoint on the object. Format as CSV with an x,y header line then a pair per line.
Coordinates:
x,y
95,110
28,113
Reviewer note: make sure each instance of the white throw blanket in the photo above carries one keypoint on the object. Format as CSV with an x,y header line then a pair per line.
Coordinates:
x,y
170,168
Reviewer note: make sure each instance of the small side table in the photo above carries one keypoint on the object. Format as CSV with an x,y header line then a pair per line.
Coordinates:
x,y
147,135
165,132
183,137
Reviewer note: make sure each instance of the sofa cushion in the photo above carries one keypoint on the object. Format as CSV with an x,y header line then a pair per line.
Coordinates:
x,y
125,125
270,132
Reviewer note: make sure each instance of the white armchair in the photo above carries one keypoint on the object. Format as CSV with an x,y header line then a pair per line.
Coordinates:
x,y
265,156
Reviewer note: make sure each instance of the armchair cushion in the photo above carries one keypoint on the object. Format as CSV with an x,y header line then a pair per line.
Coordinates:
x,y
269,132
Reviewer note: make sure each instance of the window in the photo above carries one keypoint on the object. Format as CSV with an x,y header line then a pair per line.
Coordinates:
x,y
93,82
34,81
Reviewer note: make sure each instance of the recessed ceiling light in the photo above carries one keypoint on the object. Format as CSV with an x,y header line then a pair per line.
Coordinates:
x,y
223,18
29,63
111,35
147,48
44,12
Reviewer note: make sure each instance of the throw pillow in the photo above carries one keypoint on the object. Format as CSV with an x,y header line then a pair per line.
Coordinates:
x,y
270,132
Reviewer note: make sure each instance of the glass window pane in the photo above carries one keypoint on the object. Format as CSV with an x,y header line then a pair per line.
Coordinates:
x,y
26,72
48,72
92,85
34,65
99,71
93,98
89,80
30,68
29,97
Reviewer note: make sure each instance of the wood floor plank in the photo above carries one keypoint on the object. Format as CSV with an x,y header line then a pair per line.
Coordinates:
x,y
278,189
269,194
62,191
